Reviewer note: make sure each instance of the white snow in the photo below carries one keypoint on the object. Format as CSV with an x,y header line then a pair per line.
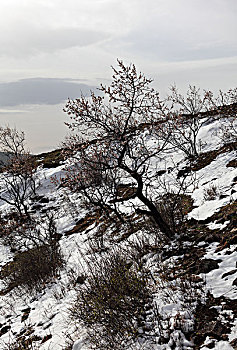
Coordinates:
x,y
49,309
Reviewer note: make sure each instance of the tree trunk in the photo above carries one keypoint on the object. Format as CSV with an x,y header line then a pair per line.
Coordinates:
x,y
163,226
156,215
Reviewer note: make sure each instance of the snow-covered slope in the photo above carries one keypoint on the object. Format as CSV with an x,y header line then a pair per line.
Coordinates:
x,y
43,317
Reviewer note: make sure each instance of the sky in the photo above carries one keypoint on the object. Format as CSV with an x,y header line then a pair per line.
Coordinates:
x,y
53,49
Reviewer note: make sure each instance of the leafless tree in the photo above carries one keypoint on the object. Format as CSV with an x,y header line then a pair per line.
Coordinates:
x,y
225,105
185,119
12,141
18,180
186,114
116,167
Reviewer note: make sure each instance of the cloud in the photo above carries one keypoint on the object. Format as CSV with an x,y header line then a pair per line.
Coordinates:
x,y
83,38
182,30
48,91
12,111
33,40
175,48
158,29
36,27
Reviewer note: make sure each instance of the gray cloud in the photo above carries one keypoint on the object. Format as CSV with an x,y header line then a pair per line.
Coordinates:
x,y
12,111
46,91
184,30
177,48
31,40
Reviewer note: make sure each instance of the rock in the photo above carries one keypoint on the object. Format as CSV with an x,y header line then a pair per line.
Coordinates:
x,y
4,330
183,172
205,266
44,200
160,172
27,309
231,305
220,220
196,279
24,317
36,206
233,343
233,239
36,338
222,196
80,279
211,345
229,273
36,198
47,337
26,313
232,163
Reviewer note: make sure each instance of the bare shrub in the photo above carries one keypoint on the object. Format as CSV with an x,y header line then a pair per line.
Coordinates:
x,y
173,208
39,262
228,131
14,230
176,286
174,201
111,301
188,113
225,105
18,180
211,193
185,119
12,141
22,232
33,268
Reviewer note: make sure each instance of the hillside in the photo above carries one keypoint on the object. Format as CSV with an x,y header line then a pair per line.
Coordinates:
x,y
191,302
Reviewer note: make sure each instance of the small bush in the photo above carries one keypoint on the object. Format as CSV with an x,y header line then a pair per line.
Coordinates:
x,y
111,301
33,268
37,252
15,229
211,193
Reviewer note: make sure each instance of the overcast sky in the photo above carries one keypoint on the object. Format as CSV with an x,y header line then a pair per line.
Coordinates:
x,y
54,49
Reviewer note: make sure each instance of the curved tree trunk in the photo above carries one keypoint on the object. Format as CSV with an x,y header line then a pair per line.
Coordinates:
x,y
163,226
156,216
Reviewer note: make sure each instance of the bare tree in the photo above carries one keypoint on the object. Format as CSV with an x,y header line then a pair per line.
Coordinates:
x,y
18,180
117,166
12,141
185,119
188,113
225,105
